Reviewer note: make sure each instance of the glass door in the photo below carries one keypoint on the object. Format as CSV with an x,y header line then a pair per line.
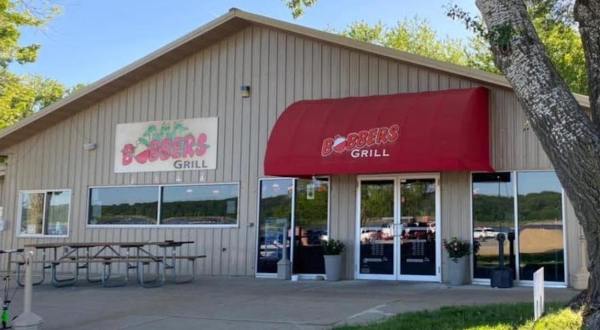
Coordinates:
x,y
376,223
418,237
398,228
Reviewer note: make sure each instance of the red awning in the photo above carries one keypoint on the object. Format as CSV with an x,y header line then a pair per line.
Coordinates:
x,y
416,132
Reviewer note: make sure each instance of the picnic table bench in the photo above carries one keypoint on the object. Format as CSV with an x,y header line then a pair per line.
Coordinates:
x,y
108,254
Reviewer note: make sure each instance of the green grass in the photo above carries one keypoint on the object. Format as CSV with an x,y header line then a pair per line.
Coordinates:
x,y
486,317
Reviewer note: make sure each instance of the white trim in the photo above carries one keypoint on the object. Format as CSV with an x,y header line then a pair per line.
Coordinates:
x,y
18,233
160,187
397,180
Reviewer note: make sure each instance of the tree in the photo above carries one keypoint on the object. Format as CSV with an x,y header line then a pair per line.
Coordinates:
x,y
22,95
416,36
551,20
569,134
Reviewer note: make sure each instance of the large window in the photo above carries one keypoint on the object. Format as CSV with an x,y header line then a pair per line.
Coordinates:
x,y
124,206
174,205
540,225
302,207
538,240
199,205
44,213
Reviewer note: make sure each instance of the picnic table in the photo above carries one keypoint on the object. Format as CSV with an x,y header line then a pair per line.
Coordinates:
x,y
84,254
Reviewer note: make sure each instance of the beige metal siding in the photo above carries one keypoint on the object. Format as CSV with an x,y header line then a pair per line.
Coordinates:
x,y
280,68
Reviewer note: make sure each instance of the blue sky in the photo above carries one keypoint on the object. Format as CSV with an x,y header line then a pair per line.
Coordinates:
x,y
92,38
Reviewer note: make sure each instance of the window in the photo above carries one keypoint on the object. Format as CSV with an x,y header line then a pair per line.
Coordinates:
x,y
540,225
174,205
493,213
537,220
199,205
124,206
301,206
44,213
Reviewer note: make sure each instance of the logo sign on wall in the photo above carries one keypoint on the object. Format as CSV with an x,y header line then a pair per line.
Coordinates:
x,y
171,145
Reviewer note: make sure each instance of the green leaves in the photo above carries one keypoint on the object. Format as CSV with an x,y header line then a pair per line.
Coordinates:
x,y
21,96
166,130
297,6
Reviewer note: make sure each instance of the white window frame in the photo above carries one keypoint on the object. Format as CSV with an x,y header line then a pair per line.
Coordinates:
x,y
517,280
159,188
45,192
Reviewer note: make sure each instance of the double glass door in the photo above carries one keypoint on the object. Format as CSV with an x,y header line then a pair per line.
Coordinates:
x,y
398,222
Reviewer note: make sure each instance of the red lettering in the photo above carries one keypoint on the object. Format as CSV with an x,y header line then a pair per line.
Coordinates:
x,y
362,139
127,154
393,133
154,150
382,135
177,147
165,149
188,145
201,144
326,148
351,140
143,156
372,136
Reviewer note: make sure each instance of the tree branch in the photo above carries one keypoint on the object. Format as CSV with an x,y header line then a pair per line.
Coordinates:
x,y
587,14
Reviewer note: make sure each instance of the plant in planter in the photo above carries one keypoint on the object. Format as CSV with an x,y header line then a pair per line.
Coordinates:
x,y
332,250
458,250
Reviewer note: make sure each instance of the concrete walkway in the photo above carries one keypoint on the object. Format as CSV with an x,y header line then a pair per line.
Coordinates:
x,y
248,303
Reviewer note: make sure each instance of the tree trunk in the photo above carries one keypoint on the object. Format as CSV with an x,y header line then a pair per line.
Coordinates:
x,y
569,137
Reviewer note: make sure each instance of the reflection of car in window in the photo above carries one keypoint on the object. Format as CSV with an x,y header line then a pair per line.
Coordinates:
x,y
484,233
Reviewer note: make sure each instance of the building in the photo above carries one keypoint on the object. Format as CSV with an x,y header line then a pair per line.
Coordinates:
x,y
177,144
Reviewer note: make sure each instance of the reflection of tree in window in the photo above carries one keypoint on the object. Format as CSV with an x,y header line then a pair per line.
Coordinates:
x,y
377,201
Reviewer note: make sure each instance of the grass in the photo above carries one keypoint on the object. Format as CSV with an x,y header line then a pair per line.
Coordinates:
x,y
486,317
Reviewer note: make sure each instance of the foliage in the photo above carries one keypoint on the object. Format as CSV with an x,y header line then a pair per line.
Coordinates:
x,y
332,247
21,96
553,21
457,248
486,317
13,16
554,24
297,6
416,36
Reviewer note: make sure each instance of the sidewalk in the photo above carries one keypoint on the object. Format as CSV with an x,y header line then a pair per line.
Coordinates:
x,y
248,303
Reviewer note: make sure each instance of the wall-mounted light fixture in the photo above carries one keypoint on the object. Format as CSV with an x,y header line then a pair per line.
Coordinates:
x,y
245,91
89,146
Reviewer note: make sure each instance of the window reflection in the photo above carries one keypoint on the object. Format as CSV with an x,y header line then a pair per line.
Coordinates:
x,y
310,225
57,212
123,206
275,212
211,204
540,225
376,227
493,213
418,253
32,213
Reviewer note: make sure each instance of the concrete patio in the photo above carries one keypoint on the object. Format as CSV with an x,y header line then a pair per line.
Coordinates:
x,y
248,303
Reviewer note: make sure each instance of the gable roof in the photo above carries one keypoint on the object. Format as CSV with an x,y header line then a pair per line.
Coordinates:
x,y
223,26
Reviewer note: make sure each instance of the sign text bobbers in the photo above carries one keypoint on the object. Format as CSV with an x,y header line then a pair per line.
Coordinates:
x,y
170,145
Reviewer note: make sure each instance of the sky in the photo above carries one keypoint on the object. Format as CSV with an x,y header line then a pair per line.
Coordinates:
x,y
93,38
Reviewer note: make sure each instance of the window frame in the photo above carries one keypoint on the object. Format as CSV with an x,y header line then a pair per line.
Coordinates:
x,y
514,186
292,221
20,234
159,188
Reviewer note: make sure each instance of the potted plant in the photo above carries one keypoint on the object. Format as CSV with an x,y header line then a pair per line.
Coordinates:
x,y
458,250
332,250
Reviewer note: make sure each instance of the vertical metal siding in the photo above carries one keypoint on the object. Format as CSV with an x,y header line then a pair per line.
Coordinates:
x,y
281,68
